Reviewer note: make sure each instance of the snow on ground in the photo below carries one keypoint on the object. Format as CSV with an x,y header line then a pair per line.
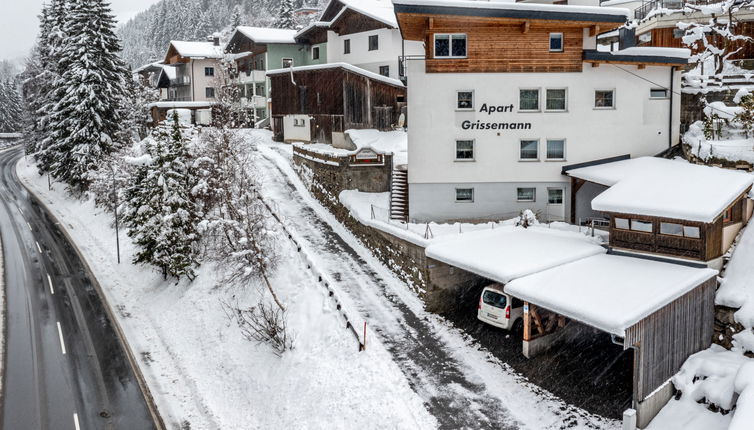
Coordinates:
x,y
462,384
383,142
737,286
202,372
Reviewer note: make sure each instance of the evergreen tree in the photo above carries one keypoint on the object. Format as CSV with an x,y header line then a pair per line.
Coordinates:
x,y
286,19
88,94
160,210
10,107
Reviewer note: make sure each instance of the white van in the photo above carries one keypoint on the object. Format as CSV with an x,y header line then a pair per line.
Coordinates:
x,y
500,309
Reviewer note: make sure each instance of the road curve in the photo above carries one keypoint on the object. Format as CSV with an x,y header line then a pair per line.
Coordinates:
x,y
65,367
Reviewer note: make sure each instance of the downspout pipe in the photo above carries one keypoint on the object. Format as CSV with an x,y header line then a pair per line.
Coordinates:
x,y
670,118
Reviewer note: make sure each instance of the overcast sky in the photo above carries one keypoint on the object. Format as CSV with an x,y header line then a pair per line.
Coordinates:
x,y
18,22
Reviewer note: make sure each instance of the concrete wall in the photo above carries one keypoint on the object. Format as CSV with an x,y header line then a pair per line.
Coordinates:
x,y
295,133
200,82
584,198
390,48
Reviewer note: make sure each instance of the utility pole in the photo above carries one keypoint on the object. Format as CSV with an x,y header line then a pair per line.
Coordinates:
x,y
115,209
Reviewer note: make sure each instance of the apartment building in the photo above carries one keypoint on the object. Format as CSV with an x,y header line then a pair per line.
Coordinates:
x,y
509,95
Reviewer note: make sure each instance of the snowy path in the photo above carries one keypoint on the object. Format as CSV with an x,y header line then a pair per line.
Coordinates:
x,y
461,386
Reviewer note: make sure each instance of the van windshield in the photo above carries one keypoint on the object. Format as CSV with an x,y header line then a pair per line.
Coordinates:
x,y
494,299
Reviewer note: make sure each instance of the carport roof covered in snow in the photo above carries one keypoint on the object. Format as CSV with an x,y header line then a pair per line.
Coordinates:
x,y
609,292
511,252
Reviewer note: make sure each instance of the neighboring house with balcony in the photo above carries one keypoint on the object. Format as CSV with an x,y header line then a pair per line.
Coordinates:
x,y
258,50
188,79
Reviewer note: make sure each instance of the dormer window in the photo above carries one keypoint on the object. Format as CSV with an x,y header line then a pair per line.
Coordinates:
x,y
450,46
556,42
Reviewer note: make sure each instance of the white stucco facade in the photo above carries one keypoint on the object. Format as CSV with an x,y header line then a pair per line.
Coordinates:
x,y
638,124
387,54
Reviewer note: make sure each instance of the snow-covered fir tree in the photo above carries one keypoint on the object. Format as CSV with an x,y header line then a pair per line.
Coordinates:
x,y
160,210
10,107
286,18
89,93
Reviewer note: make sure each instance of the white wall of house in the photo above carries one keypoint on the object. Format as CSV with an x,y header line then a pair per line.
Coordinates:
x,y
297,128
637,125
389,49
199,81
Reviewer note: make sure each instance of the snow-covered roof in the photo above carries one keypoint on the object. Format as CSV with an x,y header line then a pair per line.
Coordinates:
x,y
508,253
171,72
384,142
197,49
268,35
179,105
654,51
350,67
660,187
150,66
530,10
609,292
313,25
11,135
380,10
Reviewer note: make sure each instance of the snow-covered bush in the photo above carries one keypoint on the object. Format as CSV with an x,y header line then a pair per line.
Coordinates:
x,y
263,323
526,218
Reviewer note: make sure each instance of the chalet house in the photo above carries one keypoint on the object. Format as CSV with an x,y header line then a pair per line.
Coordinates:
x,y
506,94
258,50
149,74
349,78
188,79
668,208
319,103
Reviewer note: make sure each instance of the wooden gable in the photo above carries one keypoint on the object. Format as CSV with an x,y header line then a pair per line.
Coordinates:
x,y
173,57
350,22
241,43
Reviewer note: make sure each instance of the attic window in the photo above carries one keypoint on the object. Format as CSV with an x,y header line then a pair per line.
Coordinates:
x,y
450,45
556,42
315,53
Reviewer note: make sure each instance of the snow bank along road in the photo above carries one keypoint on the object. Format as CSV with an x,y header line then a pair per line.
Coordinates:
x,y
461,386
65,367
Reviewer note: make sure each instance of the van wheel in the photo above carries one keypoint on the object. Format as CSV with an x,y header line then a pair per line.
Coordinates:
x,y
518,328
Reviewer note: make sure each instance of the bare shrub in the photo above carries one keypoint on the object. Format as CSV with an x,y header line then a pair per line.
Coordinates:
x,y
263,323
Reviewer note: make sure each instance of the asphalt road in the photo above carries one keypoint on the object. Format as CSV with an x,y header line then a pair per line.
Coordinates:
x,y
65,367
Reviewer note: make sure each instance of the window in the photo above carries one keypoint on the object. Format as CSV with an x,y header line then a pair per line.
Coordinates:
x,y
260,89
526,194
374,42
604,99
621,223
494,299
643,226
465,195
556,42
692,232
556,99
555,149
555,196
287,62
465,150
465,100
261,114
346,46
209,71
315,53
658,93
529,149
528,99
450,45
671,229
728,215
385,70
209,93
299,122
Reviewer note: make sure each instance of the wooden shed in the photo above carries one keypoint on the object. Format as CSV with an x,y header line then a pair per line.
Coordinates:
x,y
319,103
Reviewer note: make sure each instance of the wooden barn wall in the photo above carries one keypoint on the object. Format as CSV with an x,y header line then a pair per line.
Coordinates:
x,y
664,37
499,45
665,339
352,22
337,100
710,236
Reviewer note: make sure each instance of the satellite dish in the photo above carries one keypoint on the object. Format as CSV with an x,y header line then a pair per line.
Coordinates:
x,y
402,120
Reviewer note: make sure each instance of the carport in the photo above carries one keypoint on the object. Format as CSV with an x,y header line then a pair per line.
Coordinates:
x,y
663,311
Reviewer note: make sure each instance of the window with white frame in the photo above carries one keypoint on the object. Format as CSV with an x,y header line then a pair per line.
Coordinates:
x,y
529,150
555,196
299,122
555,99
465,100
209,71
604,99
287,62
658,93
385,70
209,93
464,195
555,149
450,46
464,150
528,99
556,42
526,194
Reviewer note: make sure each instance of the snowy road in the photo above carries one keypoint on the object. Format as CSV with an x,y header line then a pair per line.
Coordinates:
x,y
461,386
64,367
